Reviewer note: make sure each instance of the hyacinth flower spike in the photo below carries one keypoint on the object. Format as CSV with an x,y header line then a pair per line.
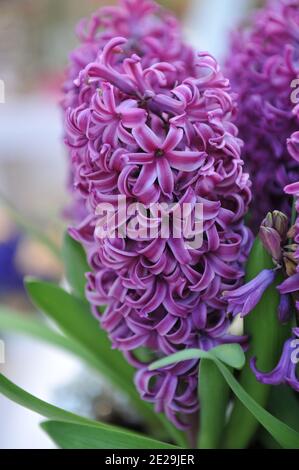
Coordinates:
x,y
149,119
263,68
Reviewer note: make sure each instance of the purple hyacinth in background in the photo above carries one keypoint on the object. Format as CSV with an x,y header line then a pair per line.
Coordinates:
x,y
147,118
262,67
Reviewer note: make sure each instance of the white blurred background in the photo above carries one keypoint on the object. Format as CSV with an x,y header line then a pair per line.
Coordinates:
x,y
35,38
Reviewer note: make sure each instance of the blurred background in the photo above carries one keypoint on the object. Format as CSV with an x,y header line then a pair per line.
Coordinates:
x,y
36,37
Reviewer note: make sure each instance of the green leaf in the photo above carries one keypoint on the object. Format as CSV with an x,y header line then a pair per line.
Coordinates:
x,y
213,394
76,436
267,337
31,325
76,266
229,354
78,424
287,437
74,318
29,228
23,398
284,405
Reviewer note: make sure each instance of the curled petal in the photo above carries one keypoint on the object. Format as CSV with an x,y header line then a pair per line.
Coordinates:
x,y
173,139
186,160
286,370
146,179
244,299
290,285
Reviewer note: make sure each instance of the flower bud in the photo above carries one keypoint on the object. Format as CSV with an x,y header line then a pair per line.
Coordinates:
x,y
278,221
271,241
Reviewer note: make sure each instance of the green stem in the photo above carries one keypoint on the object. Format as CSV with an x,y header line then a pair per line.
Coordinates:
x,y
267,336
213,396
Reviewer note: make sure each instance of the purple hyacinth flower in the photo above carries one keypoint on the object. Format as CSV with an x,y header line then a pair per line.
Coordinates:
x,y
272,241
285,309
160,157
263,68
148,119
286,371
290,286
243,300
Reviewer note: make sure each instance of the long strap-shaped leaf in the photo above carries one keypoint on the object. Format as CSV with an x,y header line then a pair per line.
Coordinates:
x,y
78,436
287,437
32,326
285,406
74,318
23,398
75,264
72,423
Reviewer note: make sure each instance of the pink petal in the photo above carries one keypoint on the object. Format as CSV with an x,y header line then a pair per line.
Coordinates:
x,y
165,176
146,179
133,117
146,139
125,136
186,161
127,104
141,158
292,189
173,138
290,285
108,96
110,134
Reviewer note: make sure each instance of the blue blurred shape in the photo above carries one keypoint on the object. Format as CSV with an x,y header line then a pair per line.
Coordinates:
x,y
10,278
